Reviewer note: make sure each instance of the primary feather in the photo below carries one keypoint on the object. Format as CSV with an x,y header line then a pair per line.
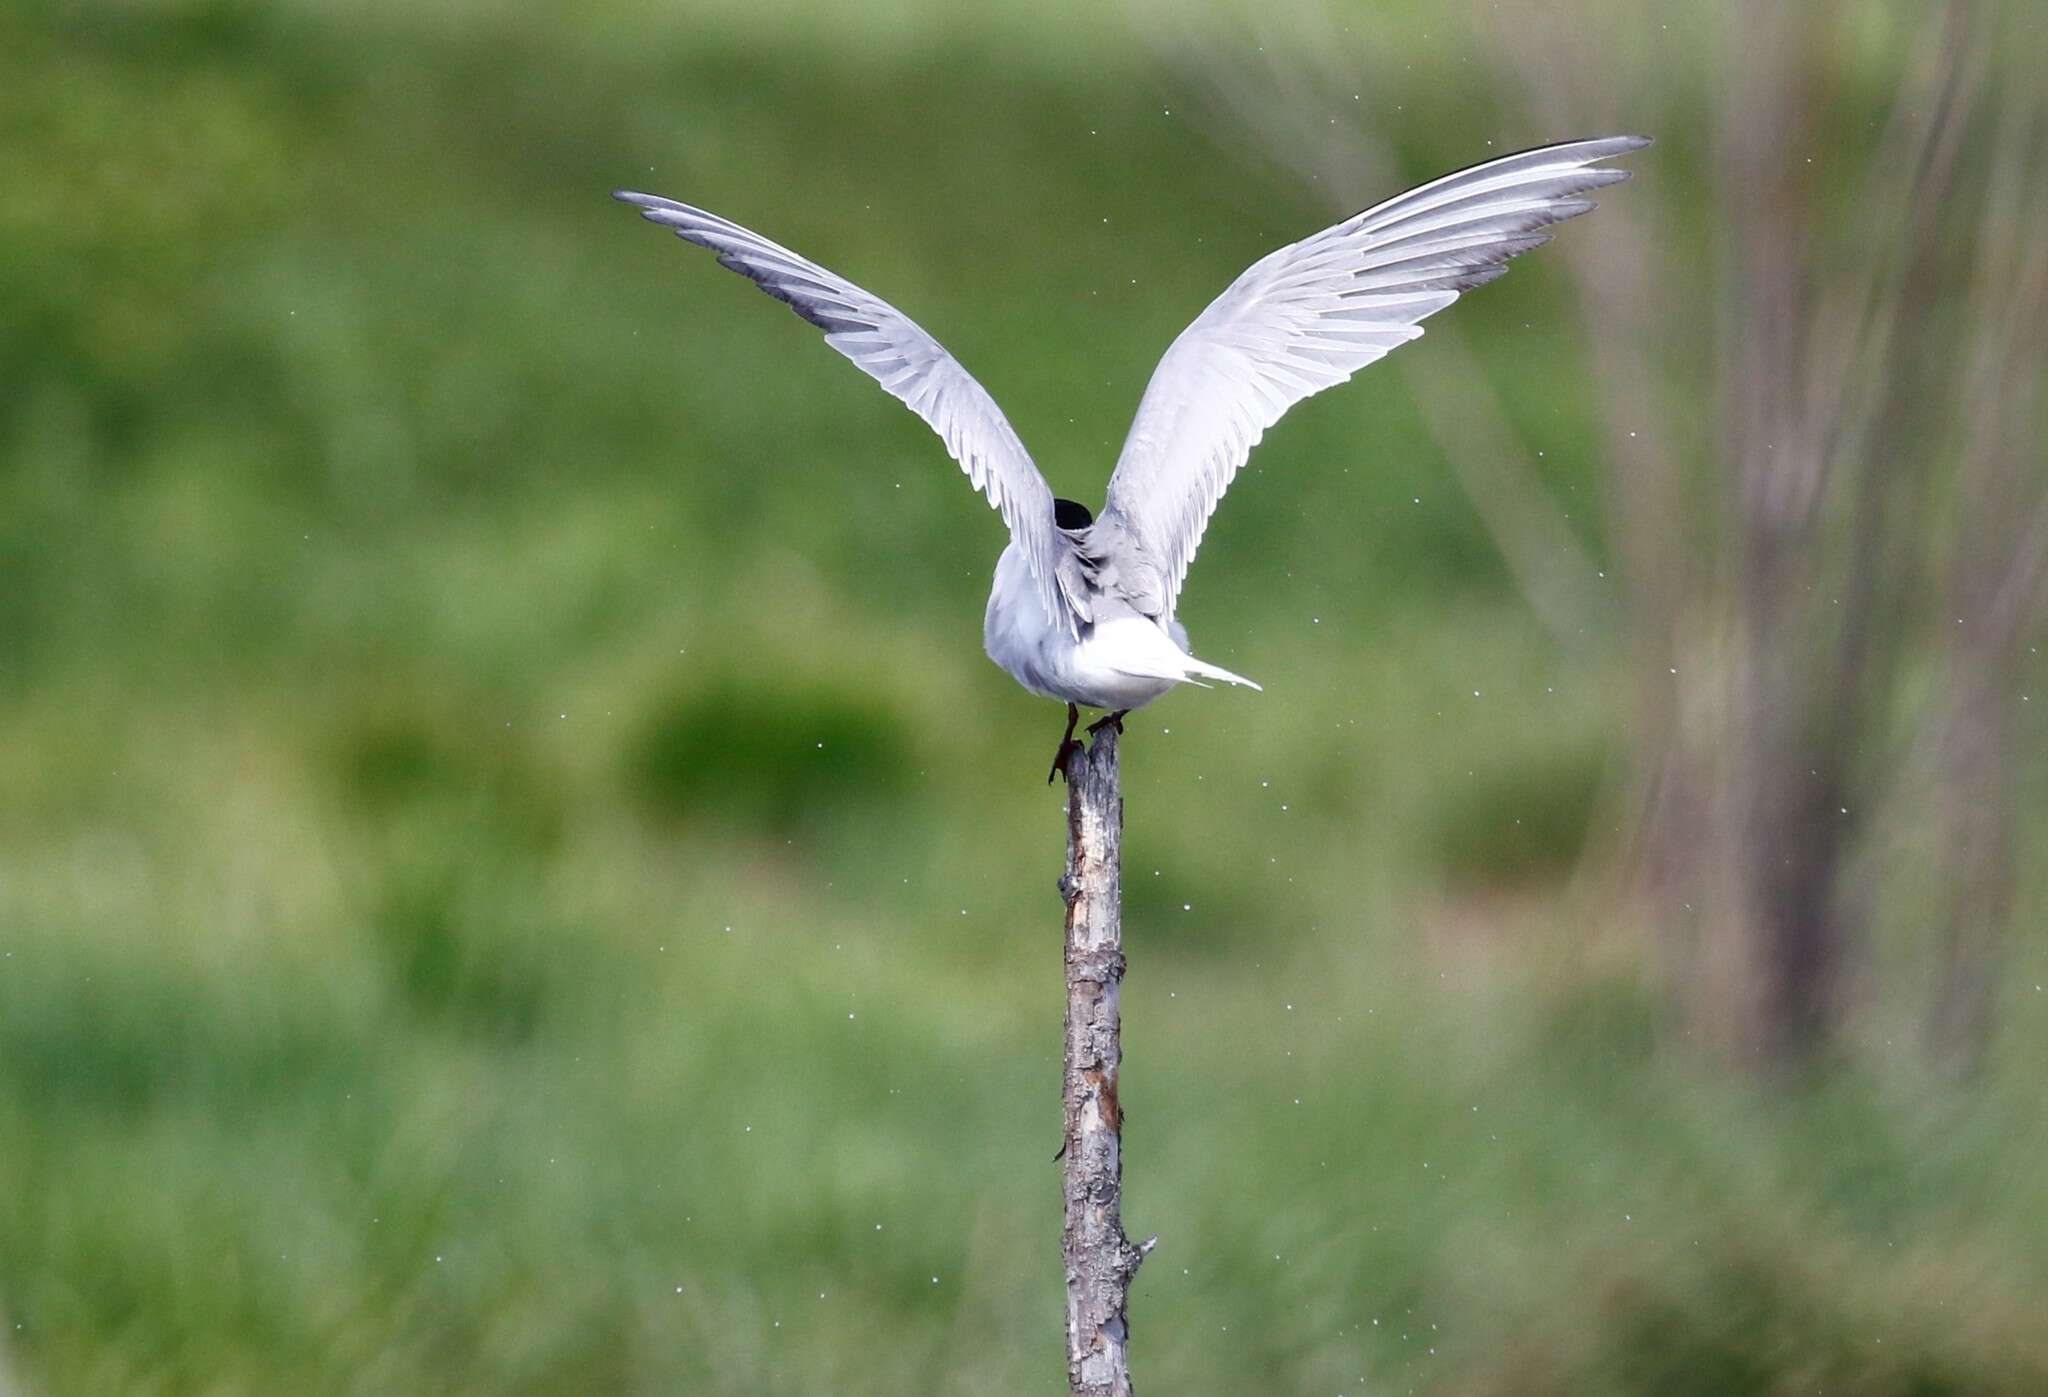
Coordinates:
x,y
913,367
1082,610
1309,316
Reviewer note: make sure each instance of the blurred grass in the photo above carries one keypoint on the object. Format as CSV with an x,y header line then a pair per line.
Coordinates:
x,y
515,876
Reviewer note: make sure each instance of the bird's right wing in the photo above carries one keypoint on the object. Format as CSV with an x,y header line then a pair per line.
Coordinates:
x,y
1308,317
912,366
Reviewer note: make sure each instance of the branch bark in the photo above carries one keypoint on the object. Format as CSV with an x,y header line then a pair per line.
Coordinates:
x,y
1100,1259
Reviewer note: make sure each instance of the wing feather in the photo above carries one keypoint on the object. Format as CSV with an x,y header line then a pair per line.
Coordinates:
x,y
1309,316
912,366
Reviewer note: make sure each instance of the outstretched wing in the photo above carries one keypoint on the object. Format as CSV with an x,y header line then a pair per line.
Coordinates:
x,y
1309,316
913,366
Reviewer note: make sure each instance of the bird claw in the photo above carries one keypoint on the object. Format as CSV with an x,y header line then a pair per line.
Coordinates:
x,y
1069,745
1068,748
1113,720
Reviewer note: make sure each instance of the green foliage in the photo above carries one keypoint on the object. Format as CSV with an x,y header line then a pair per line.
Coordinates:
x,y
768,755
1524,820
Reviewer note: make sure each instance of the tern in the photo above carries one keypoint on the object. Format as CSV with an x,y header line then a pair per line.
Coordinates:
x,y
1082,610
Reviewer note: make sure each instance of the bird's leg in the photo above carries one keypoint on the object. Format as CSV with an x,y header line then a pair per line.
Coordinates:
x,y
1067,745
1114,720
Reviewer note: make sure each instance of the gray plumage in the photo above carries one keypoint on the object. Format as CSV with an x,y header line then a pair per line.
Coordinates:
x,y
915,368
1087,614
1312,314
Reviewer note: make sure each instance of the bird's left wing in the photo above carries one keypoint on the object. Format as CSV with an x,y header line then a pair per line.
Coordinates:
x,y
913,367
1309,316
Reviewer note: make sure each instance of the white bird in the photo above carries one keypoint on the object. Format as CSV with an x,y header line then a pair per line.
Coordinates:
x,y
1082,609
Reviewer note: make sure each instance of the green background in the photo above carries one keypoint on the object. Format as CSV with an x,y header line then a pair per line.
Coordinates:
x,y
515,875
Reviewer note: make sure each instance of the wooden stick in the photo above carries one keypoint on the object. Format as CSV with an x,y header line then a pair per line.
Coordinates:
x,y
1100,1259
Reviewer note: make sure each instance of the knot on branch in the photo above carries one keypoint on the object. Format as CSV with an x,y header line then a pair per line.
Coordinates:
x,y
1103,1080
1097,967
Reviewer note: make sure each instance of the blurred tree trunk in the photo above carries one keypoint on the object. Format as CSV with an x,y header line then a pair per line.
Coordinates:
x,y
1840,501
1992,591
1770,637
1773,903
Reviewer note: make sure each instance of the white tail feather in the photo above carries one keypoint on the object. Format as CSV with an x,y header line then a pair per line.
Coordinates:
x,y
1216,672
1135,647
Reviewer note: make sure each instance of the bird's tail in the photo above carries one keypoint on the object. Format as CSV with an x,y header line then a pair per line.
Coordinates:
x,y
1199,670
1139,648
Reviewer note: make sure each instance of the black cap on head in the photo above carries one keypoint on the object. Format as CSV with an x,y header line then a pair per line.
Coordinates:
x,y
1070,515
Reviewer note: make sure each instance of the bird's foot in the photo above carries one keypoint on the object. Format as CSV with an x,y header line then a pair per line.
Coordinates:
x,y
1113,720
1068,747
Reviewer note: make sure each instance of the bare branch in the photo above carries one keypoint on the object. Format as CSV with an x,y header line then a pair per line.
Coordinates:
x,y
1100,1259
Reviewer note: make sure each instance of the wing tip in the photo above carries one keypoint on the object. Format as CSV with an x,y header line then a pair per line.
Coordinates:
x,y
1619,144
1587,151
653,206
1590,151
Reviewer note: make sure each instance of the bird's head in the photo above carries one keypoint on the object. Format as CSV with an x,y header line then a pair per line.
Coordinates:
x,y
1071,515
